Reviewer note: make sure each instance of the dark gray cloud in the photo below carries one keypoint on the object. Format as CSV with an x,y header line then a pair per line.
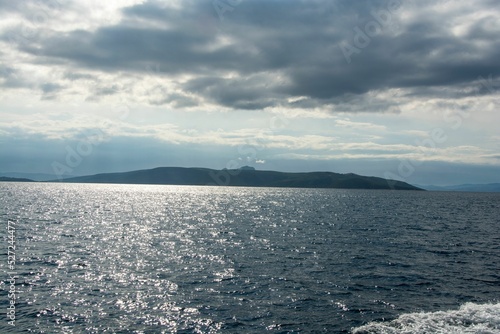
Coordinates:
x,y
243,93
324,50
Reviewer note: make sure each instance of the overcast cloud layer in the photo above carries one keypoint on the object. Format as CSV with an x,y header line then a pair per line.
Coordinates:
x,y
397,82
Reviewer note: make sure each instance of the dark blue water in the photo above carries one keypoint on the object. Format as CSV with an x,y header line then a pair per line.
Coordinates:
x,y
162,259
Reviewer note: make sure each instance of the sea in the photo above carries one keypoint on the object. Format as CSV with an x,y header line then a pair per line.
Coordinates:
x,y
111,258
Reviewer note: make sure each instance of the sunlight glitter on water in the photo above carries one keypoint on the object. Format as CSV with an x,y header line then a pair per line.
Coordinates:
x,y
202,259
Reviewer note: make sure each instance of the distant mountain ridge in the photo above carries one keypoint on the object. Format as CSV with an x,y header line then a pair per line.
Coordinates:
x,y
14,179
32,176
244,177
490,187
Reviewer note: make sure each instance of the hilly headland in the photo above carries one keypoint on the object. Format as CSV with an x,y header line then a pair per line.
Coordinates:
x,y
243,177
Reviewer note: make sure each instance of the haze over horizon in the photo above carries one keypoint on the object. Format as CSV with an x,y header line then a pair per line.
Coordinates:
x,y
397,89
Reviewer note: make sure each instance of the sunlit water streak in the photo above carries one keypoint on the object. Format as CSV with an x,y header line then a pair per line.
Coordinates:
x,y
151,259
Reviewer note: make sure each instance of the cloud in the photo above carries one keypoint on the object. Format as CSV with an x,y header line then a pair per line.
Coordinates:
x,y
264,54
50,87
344,123
305,146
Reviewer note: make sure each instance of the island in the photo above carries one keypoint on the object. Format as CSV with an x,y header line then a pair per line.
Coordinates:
x,y
243,177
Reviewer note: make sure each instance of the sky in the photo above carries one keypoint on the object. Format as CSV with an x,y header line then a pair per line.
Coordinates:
x,y
407,90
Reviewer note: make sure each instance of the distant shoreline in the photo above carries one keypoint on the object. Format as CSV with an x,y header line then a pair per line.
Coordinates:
x,y
14,179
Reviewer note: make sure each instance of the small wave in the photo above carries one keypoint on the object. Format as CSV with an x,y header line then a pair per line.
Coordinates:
x,y
470,318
